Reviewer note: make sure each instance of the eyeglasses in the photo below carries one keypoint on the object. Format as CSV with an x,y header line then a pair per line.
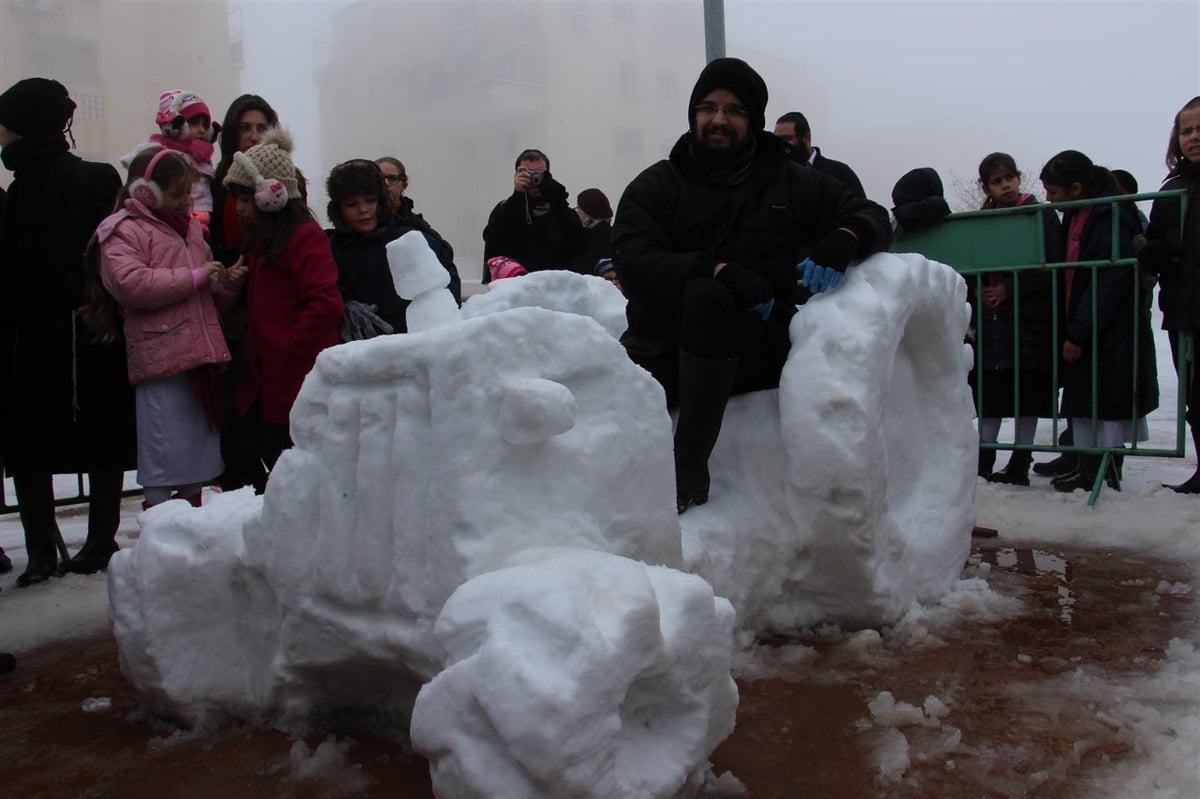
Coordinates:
x,y
247,127
395,178
731,111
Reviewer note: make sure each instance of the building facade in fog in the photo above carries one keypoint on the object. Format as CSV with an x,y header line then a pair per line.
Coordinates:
x,y
116,57
456,90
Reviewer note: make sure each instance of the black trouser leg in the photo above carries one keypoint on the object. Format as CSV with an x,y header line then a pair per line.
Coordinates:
x,y
705,385
104,517
35,496
709,344
1192,381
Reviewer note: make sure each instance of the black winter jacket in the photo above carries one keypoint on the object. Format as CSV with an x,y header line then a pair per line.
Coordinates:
x,y
839,171
674,224
363,272
548,241
599,246
996,327
1179,276
1125,390
67,404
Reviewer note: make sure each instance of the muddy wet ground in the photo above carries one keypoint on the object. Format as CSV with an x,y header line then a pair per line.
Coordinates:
x,y
806,733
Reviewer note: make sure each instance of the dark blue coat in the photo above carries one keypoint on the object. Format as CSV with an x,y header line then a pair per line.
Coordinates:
x,y
997,327
1125,391
363,272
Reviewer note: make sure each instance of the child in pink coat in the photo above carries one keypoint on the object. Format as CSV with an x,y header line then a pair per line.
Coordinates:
x,y
156,265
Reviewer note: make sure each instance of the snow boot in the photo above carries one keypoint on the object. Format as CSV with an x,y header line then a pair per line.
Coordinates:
x,y
1016,471
1192,484
104,517
35,498
1084,477
987,460
704,388
1064,463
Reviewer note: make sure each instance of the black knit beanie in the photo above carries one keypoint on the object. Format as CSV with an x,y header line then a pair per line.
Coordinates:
x,y
916,185
36,107
738,77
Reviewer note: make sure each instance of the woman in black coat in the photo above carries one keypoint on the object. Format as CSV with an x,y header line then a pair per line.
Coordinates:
x,y
67,402
1172,252
1102,314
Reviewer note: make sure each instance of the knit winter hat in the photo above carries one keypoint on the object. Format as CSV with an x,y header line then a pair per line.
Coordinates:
x,y
36,107
916,185
500,267
594,203
175,103
738,77
271,159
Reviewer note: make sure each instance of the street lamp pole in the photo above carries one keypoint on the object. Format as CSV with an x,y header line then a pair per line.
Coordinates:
x,y
714,29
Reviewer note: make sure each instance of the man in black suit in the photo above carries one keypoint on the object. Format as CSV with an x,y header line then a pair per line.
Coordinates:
x,y
793,128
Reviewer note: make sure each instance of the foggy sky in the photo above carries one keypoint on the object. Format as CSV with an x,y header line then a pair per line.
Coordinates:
x,y
902,84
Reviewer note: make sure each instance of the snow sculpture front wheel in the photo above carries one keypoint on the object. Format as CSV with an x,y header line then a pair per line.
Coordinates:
x,y
577,674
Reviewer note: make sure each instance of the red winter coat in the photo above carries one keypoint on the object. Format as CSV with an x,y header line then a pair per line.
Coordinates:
x,y
171,326
294,308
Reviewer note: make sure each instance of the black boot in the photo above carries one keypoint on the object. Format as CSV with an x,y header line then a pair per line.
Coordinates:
x,y
1063,464
1084,477
35,497
104,517
1016,471
704,388
987,460
1192,484
5,563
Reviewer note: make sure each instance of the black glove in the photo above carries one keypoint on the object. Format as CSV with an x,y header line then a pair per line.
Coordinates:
x,y
749,289
835,250
552,191
1155,256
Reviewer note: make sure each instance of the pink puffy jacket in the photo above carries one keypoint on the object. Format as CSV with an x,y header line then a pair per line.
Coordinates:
x,y
171,325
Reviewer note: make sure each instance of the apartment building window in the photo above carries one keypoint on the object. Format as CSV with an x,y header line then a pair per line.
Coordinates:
x,y
90,107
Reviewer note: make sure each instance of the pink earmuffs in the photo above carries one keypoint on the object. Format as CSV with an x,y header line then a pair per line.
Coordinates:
x,y
145,190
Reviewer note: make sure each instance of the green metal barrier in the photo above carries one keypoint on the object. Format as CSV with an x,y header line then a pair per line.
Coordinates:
x,y
1012,240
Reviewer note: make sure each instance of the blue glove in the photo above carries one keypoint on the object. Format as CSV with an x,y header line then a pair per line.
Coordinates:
x,y
817,278
824,269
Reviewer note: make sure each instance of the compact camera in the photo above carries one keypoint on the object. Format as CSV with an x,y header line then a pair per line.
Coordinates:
x,y
536,176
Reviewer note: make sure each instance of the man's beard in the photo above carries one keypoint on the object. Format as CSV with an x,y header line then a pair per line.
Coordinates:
x,y
719,155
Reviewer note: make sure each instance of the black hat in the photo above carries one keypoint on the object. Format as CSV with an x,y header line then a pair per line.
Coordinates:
x,y
36,107
738,77
356,176
916,185
594,204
